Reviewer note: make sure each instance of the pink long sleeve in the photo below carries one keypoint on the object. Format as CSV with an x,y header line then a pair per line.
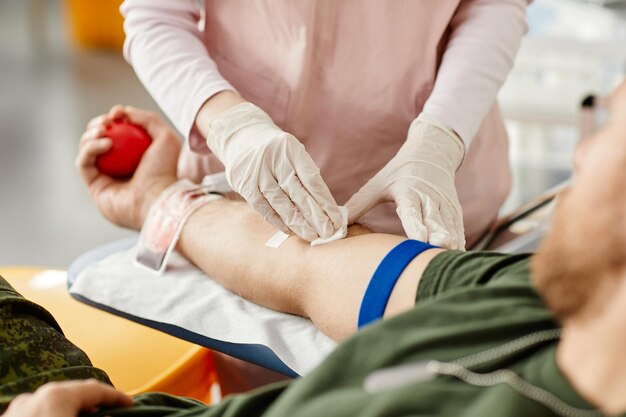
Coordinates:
x,y
485,38
164,46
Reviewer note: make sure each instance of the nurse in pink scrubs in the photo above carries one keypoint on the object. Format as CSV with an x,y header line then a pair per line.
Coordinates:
x,y
387,107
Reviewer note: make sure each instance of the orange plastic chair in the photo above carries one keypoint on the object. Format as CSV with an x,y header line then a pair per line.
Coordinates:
x,y
95,23
137,358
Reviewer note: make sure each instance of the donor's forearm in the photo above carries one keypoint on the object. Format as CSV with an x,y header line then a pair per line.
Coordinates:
x,y
226,239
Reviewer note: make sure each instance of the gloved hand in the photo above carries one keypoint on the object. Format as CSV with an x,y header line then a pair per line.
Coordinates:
x,y
273,172
420,179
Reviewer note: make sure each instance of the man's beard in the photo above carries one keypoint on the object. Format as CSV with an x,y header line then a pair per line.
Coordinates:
x,y
574,263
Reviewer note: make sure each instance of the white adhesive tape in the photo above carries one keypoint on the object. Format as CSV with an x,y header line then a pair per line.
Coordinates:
x,y
277,240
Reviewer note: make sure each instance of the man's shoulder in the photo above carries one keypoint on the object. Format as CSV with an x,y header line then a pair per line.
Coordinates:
x,y
489,295
455,271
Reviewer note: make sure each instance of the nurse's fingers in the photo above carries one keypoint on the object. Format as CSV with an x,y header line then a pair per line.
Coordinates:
x,y
285,208
409,209
451,226
307,206
445,226
305,203
317,201
260,204
439,233
460,231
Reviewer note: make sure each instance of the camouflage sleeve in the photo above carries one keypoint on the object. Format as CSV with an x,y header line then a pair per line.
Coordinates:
x,y
33,349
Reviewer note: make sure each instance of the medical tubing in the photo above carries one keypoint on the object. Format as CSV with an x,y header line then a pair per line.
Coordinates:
x,y
385,277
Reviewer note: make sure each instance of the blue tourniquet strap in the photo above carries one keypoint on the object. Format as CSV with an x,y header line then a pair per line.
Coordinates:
x,y
384,279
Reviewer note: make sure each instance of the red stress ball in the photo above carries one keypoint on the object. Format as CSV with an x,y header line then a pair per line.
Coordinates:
x,y
129,144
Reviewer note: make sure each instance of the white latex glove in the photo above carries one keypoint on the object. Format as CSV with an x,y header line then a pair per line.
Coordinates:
x,y
273,172
420,179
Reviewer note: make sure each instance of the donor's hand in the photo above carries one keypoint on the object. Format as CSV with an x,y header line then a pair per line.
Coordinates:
x,y
67,399
126,202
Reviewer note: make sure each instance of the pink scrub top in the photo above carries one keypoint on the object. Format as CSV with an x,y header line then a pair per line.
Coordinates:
x,y
345,77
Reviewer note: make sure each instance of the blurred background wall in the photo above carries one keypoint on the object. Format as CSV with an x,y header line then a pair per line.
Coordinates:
x,y
52,81
573,48
60,65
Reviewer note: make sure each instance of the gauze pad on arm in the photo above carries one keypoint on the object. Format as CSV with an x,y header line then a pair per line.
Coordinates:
x,y
279,237
340,233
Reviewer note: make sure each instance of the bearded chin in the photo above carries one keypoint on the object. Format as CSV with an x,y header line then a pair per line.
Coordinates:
x,y
567,271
